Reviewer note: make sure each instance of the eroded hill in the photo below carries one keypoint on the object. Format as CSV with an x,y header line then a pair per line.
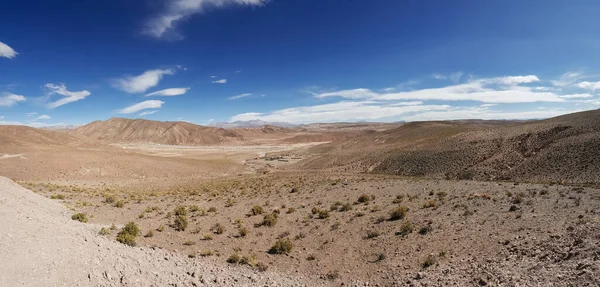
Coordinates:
x,y
562,149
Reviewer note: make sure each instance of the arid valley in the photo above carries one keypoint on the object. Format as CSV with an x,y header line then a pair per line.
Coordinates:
x,y
455,203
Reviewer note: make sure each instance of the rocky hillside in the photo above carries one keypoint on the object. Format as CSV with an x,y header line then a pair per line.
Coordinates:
x,y
16,136
119,130
564,149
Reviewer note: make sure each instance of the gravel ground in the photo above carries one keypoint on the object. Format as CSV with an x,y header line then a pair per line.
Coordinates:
x,y
42,246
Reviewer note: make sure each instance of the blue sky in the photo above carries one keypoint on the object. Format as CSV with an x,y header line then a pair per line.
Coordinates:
x,y
298,61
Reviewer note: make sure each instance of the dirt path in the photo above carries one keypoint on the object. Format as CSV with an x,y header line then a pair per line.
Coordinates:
x,y
41,246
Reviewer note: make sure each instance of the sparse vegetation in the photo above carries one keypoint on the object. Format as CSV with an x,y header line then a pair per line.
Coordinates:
x,y
81,217
242,231
257,210
119,204
269,220
218,228
282,246
57,196
233,258
189,243
180,223
429,261
398,213
405,229
372,234
128,234
149,234
110,199
363,198
104,231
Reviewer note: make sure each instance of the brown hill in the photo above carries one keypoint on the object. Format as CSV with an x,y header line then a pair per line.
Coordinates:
x,y
119,130
24,136
564,149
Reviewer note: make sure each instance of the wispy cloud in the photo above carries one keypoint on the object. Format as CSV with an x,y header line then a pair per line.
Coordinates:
x,y
454,77
239,96
147,113
6,51
150,104
592,86
9,99
141,83
164,24
169,92
42,117
474,98
341,111
69,96
221,81
32,114
568,79
487,90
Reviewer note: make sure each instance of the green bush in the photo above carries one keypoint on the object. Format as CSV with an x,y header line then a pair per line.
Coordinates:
x,y
82,217
119,204
282,246
57,196
269,220
233,258
181,211
180,223
398,213
405,229
128,234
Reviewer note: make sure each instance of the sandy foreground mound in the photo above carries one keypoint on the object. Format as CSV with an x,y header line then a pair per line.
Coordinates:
x,y
41,246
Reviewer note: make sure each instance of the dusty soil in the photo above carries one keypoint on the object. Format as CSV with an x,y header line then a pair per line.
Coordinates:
x,y
470,232
331,205
42,246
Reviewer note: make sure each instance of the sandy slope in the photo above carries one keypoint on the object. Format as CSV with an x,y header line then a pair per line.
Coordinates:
x,y
42,246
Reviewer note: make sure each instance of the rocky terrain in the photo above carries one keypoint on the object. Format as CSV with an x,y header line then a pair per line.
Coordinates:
x,y
561,150
451,203
42,246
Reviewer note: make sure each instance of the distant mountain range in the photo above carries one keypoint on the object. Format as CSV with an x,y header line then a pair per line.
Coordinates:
x,y
61,127
250,124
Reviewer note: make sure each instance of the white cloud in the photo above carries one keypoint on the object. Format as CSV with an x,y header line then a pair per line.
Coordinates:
x,y
147,113
576,96
482,90
237,72
514,80
462,113
177,10
454,77
221,81
42,117
150,104
6,51
213,77
341,111
9,99
143,82
169,92
32,114
568,79
592,86
239,96
69,96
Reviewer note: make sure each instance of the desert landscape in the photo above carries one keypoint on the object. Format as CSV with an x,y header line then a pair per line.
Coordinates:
x,y
446,203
